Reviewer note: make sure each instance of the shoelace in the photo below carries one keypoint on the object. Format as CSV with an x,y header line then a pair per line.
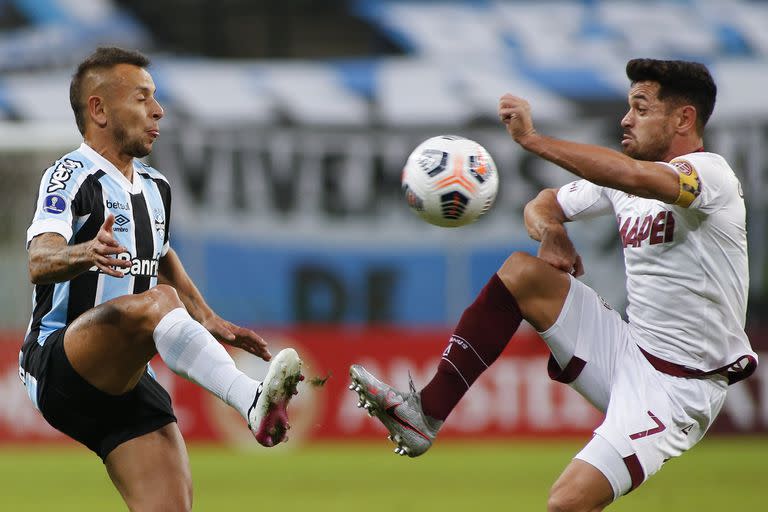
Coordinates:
x,y
410,382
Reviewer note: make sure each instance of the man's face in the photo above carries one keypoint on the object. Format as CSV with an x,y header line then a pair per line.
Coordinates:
x,y
648,125
132,111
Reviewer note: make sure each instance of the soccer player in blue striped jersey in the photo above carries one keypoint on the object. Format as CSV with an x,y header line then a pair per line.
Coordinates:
x,y
110,293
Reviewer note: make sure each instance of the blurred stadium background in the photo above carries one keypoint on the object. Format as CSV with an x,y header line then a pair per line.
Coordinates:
x,y
287,125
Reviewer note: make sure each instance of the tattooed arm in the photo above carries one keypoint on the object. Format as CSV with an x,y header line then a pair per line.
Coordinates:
x,y
51,260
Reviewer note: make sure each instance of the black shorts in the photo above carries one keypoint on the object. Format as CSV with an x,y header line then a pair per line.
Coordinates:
x,y
72,405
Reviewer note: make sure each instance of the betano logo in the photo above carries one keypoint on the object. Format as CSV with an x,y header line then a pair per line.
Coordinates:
x,y
117,205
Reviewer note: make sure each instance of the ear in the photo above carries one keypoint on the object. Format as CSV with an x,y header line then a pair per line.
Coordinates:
x,y
96,111
686,121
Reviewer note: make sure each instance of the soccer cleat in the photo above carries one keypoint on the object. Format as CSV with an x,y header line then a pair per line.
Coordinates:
x,y
268,416
412,431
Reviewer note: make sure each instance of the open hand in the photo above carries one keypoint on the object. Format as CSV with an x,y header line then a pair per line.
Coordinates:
x,y
558,250
240,337
103,247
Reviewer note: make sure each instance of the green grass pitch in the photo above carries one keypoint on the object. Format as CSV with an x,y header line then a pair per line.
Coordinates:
x,y
719,474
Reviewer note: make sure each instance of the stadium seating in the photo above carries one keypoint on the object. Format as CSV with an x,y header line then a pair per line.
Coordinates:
x,y
458,54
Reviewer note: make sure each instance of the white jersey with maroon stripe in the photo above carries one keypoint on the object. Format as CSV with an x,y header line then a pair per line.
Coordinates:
x,y
687,269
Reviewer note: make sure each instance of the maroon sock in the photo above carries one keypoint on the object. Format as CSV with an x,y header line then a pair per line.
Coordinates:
x,y
483,331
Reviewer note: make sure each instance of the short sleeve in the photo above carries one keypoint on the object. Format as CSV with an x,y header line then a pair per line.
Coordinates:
x,y
706,181
55,197
582,200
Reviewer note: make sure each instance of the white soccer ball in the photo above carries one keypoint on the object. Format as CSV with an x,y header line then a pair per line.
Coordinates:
x,y
450,181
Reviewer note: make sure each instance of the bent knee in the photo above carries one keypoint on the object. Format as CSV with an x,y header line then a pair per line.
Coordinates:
x,y
180,497
158,301
164,295
563,502
177,498
559,502
564,498
140,313
171,492
520,271
183,497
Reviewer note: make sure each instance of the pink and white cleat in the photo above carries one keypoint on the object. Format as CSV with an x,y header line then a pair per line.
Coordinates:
x,y
268,416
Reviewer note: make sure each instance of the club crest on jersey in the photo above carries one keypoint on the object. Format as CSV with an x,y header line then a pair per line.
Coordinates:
x,y
61,174
159,220
684,167
54,203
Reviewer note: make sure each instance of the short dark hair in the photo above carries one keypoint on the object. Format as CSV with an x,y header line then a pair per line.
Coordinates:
x,y
105,58
678,79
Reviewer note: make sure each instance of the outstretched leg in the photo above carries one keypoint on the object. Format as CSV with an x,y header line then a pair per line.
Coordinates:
x,y
110,345
525,287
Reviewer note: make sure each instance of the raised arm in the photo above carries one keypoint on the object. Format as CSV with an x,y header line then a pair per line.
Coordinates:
x,y
52,260
171,272
597,164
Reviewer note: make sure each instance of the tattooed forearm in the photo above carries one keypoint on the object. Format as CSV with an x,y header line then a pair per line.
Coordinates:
x,y
51,260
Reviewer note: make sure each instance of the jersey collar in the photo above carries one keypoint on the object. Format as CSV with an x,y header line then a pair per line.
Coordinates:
x,y
109,168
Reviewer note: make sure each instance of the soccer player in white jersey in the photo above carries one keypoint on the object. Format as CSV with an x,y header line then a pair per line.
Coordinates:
x,y
660,377
110,293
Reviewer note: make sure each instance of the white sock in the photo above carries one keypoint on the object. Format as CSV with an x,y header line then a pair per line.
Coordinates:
x,y
192,352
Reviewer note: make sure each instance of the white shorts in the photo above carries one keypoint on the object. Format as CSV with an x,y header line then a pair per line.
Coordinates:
x,y
650,416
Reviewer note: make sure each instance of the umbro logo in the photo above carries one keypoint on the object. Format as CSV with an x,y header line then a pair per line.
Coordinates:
x,y
120,222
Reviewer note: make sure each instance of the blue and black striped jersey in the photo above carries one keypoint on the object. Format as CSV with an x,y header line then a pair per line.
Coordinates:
x,y
76,194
